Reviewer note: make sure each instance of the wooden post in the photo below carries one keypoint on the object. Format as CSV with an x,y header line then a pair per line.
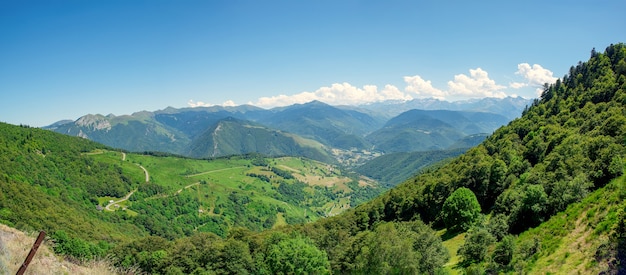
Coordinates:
x,y
31,254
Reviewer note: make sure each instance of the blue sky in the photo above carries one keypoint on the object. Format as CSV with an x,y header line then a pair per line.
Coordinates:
x,y
64,59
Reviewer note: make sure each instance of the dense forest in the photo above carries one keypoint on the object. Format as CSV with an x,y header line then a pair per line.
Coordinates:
x,y
557,168
392,169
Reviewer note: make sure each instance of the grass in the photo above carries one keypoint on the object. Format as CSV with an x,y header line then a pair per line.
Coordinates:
x,y
105,200
314,173
571,239
280,220
452,243
222,176
15,246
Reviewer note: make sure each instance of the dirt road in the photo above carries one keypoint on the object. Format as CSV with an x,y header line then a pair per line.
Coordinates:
x,y
108,207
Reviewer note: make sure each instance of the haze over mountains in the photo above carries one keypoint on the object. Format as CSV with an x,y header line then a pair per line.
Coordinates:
x,y
315,130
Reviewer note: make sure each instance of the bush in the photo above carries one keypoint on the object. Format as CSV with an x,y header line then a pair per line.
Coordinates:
x,y
503,253
477,242
498,226
77,248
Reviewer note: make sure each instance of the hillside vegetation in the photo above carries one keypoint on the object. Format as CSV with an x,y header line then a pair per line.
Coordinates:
x,y
237,137
543,194
184,196
48,182
392,169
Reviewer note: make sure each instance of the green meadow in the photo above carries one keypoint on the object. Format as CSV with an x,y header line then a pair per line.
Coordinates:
x,y
215,195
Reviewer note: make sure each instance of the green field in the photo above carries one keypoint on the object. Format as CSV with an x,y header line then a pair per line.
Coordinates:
x,y
217,194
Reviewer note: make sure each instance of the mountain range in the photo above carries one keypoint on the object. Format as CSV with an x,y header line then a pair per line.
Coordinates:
x,y
509,107
315,130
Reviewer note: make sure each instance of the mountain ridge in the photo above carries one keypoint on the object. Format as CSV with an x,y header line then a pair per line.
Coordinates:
x,y
174,130
232,136
509,107
423,130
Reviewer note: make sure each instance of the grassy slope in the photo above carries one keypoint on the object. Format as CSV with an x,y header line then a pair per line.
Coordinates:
x,y
45,176
15,245
569,241
453,244
226,175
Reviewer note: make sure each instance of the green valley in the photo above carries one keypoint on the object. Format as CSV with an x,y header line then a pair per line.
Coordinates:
x,y
543,194
183,195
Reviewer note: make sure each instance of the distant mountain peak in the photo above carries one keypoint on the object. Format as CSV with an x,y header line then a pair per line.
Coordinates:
x,y
95,122
316,102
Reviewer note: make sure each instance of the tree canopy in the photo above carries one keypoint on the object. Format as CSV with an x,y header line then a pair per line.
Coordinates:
x,y
461,210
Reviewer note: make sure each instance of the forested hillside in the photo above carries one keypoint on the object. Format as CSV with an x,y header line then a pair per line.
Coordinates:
x,y
568,144
47,182
232,136
392,169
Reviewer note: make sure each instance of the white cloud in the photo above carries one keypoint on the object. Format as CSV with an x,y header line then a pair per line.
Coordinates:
x,y
193,104
517,85
477,84
422,88
337,94
284,100
392,92
535,76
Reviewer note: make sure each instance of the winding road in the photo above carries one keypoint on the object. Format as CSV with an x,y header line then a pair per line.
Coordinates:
x,y
213,171
181,190
111,203
108,207
142,168
145,172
